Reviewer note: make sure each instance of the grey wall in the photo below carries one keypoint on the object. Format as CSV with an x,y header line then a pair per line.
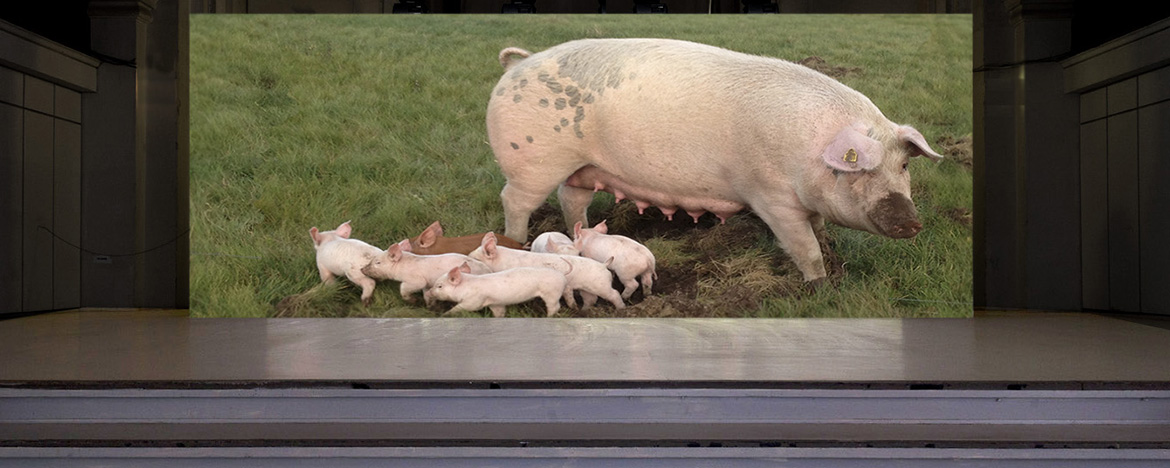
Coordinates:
x,y
41,84
1124,118
1070,206
93,161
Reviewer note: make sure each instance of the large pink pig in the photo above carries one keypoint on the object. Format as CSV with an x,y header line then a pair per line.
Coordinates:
x,y
691,128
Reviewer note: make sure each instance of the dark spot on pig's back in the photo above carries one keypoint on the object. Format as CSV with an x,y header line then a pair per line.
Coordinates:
x,y
515,146
543,102
559,104
528,138
592,67
500,91
580,115
517,98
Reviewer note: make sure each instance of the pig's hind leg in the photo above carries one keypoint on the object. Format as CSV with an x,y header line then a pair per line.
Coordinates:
x,y
529,187
574,204
519,203
366,283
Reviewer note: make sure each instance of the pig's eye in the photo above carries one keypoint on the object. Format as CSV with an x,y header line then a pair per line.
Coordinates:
x,y
904,165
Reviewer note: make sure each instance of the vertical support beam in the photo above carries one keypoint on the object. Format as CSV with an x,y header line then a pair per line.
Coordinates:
x,y
1029,200
999,282
113,166
164,274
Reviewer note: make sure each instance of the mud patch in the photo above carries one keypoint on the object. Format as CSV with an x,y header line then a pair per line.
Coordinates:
x,y
959,215
705,269
819,64
958,149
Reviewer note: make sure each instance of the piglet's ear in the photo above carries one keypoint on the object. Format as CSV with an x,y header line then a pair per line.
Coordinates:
x,y
852,151
429,235
489,244
404,245
465,268
344,230
315,235
916,143
601,227
394,252
454,277
577,230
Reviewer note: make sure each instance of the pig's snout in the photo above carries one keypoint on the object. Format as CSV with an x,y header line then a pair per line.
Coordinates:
x,y
895,216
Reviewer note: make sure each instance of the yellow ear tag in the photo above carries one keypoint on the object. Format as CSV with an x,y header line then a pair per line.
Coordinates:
x,y
850,156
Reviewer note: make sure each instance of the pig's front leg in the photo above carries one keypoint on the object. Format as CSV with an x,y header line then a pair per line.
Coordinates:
x,y
795,234
326,275
574,204
498,310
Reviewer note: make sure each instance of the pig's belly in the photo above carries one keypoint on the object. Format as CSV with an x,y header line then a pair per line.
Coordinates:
x,y
594,178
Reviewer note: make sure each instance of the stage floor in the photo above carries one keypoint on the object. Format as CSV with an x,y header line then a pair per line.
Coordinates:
x,y
1032,350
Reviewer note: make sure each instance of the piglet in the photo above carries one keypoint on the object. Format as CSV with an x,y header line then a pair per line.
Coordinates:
x,y
586,275
338,255
498,290
630,259
554,242
432,242
416,272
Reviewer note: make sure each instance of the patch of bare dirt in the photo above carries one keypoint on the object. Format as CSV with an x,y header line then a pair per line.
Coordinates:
x,y
958,149
959,215
819,64
733,267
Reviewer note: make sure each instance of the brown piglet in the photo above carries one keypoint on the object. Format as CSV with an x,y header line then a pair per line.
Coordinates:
x,y
432,242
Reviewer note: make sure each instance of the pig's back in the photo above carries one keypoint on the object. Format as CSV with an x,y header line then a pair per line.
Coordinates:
x,y
664,112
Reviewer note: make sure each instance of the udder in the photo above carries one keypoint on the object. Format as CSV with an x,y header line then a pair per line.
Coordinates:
x,y
594,178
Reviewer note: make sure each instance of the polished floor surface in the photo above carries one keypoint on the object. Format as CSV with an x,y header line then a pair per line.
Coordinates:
x,y
167,346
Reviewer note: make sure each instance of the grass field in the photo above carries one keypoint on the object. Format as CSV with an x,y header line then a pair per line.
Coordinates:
x,y
313,120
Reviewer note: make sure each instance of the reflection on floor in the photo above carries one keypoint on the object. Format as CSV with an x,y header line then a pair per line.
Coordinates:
x,y
1043,350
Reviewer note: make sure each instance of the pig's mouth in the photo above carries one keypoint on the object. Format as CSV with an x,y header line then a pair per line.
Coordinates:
x,y
896,217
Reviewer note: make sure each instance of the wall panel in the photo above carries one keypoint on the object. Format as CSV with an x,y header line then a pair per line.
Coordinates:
x,y
11,205
37,271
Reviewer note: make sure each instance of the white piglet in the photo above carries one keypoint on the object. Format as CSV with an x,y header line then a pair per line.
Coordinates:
x,y
416,272
586,275
631,260
498,290
554,242
338,255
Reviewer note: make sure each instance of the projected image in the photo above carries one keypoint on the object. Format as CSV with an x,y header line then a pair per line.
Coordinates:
x,y
581,166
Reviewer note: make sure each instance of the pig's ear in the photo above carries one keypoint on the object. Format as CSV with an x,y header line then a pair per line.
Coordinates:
x,y
428,236
394,252
852,150
548,245
489,244
454,277
344,230
314,233
577,230
601,227
404,244
916,143
438,228
465,268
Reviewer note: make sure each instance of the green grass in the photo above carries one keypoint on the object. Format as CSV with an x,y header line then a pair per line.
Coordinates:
x,y
312,120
